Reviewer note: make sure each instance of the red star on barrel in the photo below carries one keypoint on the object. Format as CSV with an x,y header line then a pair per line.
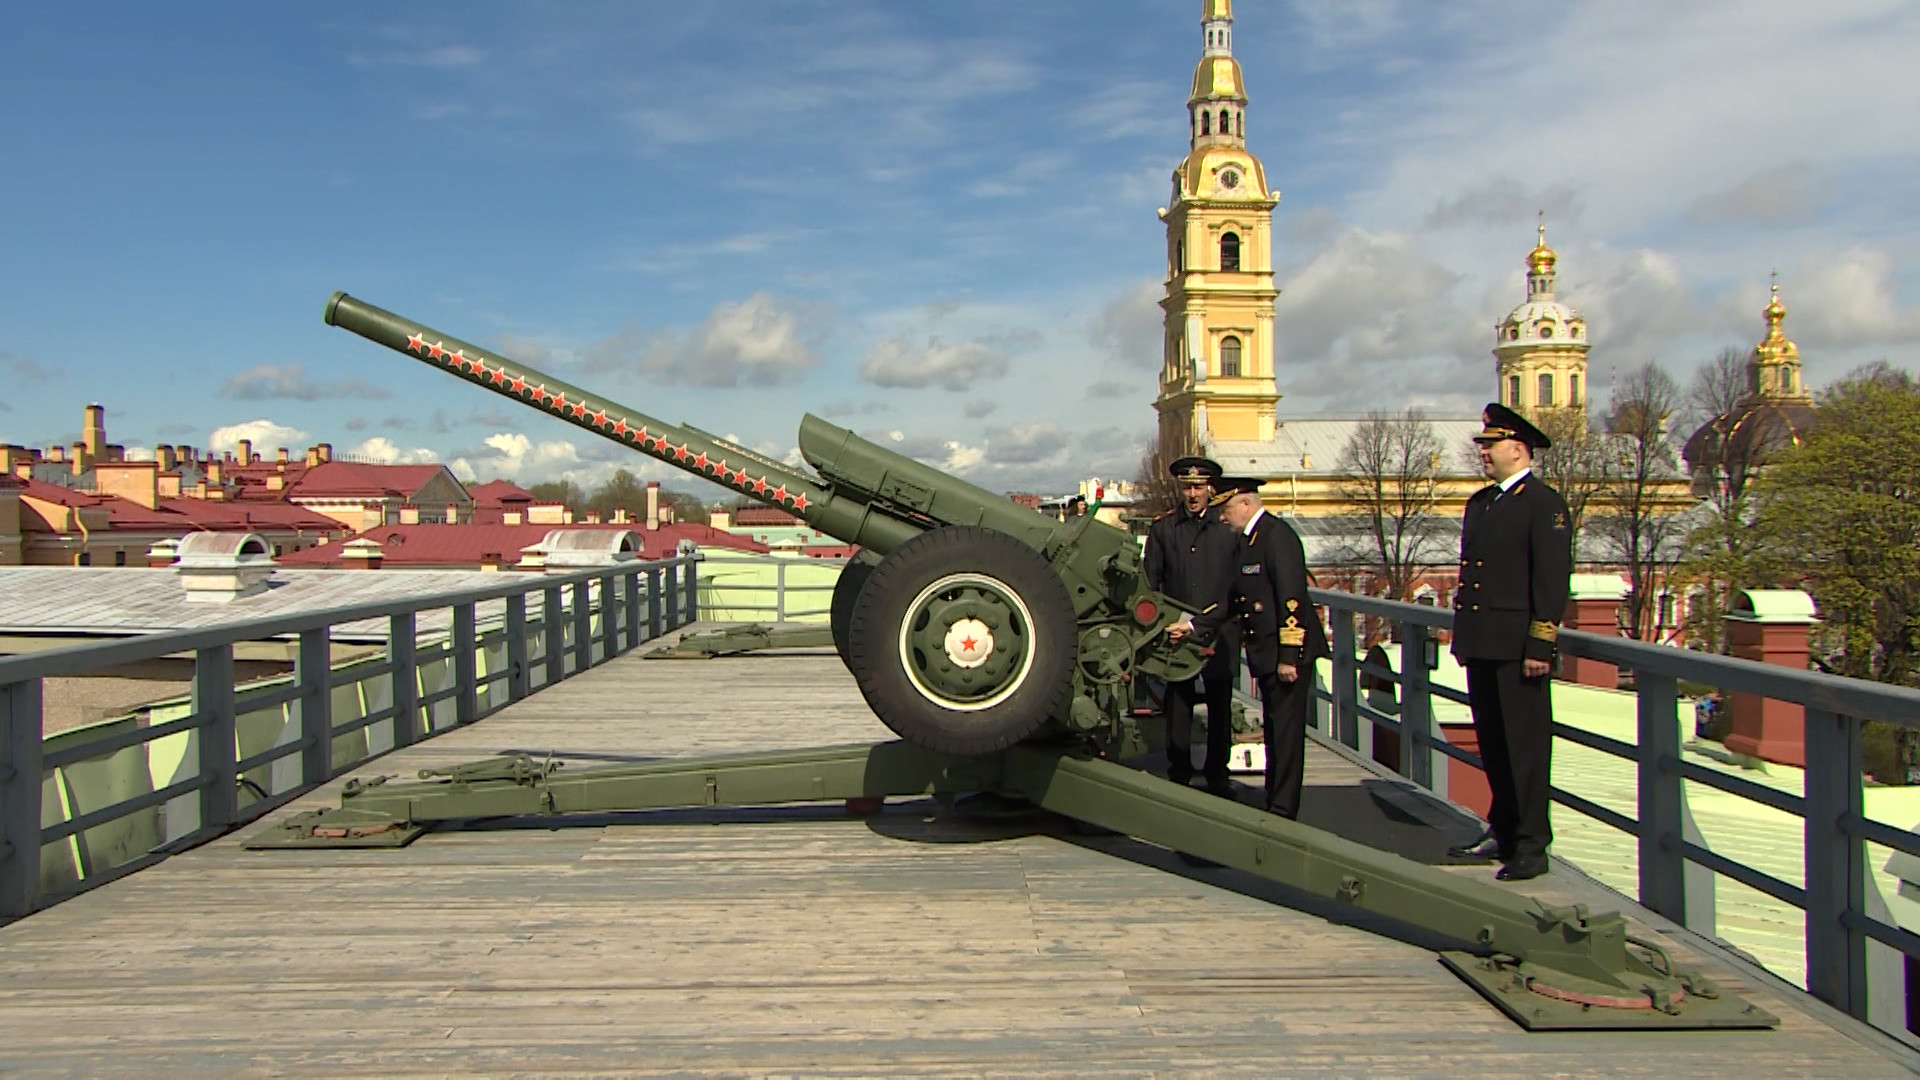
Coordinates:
x,y
800,501
499,376
457,358
557,400
620,428
517,384
436,350
416,343
600,418
740,477
680,453
759,485
579,409
700,460
780,493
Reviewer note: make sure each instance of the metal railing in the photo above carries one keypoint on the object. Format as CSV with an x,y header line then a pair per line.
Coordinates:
x,y
736,584
1836,830
226,754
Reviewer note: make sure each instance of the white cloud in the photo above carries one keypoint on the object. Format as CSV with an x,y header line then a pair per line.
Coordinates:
x,y
958,366
1130,328
1844,300
1788,193
382,450
757,341
261,433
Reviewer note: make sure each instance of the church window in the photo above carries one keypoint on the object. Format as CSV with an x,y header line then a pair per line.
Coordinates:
x,y
1513,390
1573,389
1576,331
1546,329
1230,251
1206,123
1546,388
1786,380
120,557
1513,333
1230,357
1226,124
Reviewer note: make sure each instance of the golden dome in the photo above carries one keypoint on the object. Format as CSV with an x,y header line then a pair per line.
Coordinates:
x,y
1541,259
1217,10
1776,346
1218,77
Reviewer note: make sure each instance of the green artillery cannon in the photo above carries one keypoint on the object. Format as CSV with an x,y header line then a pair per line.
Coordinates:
x,y
999,645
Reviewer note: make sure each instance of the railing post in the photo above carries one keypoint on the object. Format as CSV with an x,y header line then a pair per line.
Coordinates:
x,y
466,668
1416,706
212,702
1663,869
610,611
313,671
673,597
554,628
582,626
780,591
404,679
516,646
1836,863
656,624
1346,679
20,783
693,587
630,582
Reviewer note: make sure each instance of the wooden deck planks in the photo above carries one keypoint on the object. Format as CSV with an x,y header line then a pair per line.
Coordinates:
x,y
783,941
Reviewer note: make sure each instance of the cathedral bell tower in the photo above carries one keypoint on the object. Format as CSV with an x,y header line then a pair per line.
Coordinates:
x,y
1216,378
1541,346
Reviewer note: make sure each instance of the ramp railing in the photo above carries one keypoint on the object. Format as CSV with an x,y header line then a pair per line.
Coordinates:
x,y
1838,920
82,808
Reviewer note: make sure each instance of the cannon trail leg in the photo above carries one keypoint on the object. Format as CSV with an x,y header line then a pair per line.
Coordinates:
x,y
1546,967
383,814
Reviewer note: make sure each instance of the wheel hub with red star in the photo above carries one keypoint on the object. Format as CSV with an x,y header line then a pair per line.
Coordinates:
x,y
967,641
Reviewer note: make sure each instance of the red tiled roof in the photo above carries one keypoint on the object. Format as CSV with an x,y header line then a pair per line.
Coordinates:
x,y
499,492
466,545
763,515
346,479
184,515
9,482
219,515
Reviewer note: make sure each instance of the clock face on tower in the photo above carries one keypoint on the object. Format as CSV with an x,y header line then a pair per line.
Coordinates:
x,y
1229,178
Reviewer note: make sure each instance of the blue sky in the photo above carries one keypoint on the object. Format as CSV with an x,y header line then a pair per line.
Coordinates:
x,y
931,222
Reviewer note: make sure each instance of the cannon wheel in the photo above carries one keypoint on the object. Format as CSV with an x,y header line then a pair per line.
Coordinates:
x,y
963,640
846,590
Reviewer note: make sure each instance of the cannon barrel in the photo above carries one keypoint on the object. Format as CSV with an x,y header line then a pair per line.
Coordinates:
x,y
688,449
865,494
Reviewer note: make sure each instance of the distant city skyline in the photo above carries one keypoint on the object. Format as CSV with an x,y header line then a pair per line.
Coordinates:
x,y
931,223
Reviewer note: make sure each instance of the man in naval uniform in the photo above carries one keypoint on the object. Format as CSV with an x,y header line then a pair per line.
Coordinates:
x,y
1516,555
1190,553
1280,631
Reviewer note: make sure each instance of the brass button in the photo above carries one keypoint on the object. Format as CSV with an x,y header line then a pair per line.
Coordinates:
x,y
1476,607
1476,584
1479,562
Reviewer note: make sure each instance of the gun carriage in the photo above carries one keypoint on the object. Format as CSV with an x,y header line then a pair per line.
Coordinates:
x,y
1000,645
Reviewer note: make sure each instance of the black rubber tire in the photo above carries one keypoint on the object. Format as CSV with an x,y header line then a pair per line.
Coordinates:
x,y
874,651
846,591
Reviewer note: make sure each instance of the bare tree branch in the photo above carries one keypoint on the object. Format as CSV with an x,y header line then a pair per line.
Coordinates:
x,y
1637,517
1392,467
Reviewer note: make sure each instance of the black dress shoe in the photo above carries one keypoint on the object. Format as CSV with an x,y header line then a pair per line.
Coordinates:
x,y
1483,846
1223,787
1523,868
1181,778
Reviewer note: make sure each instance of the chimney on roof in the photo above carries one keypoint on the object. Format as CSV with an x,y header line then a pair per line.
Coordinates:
x,y
653,504
621,517
216,471
453,513
94,431
164,455
138,481
361,554
719,519
281,459
246,451
11,457
56,453
222,567
313,456
511,517
116,452
326,452
593,517
163,554
490,561
409,515
82,460
276,482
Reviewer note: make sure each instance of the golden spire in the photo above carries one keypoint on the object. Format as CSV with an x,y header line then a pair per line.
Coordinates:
x,y
1541,259
1775,346
1775,310
1217,10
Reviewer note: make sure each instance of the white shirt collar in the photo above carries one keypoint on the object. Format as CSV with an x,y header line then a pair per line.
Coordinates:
x,y
1507,484
1255,520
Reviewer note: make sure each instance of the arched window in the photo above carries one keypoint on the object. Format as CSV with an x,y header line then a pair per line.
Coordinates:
x,y
1206,123
1546,329
1226,124
1546,388
1513,390
1230,251
1513,333
1786,380
1573,390
1229,357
